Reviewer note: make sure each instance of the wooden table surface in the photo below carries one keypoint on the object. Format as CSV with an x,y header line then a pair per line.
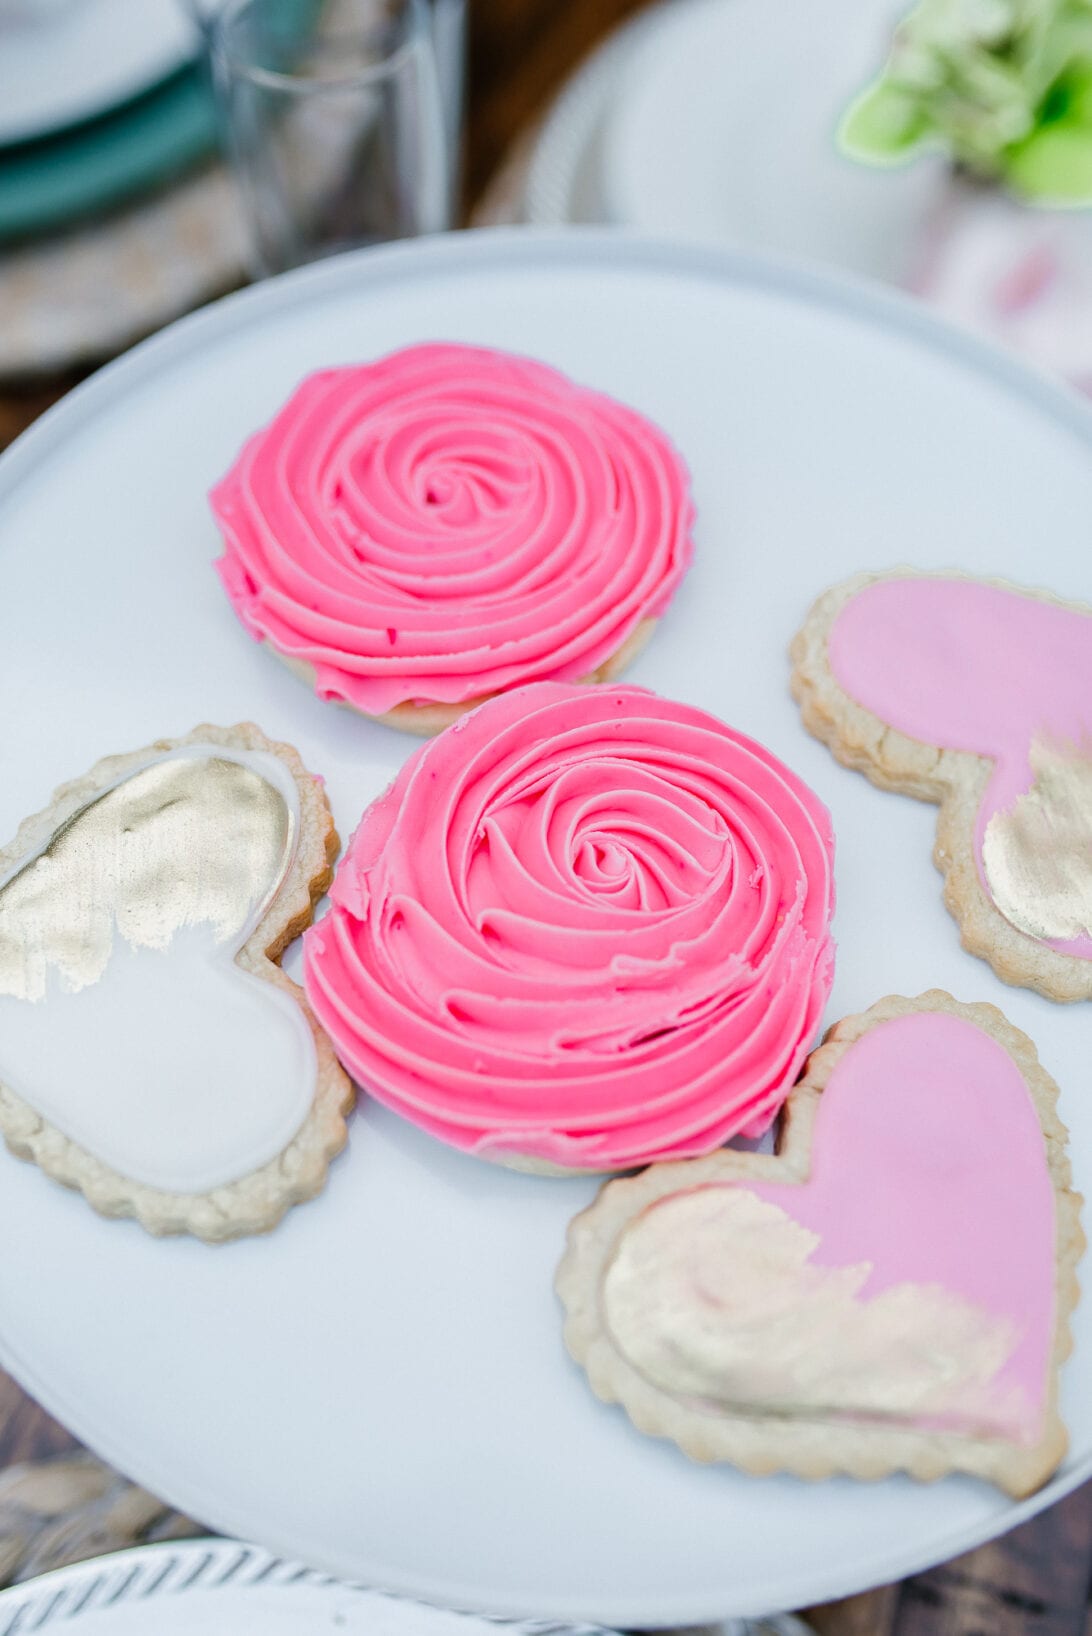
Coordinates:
x,y
1036,1581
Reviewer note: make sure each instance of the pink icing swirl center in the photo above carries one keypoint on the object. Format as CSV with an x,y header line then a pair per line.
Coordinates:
x,y
448,522
587,925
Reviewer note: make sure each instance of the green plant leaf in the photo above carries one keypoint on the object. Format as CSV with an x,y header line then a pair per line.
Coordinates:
x,y
1080,94
1054,164
883,125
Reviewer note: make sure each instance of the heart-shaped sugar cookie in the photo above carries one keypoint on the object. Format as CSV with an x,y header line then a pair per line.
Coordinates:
x,y
890,1291
975,694
152,1052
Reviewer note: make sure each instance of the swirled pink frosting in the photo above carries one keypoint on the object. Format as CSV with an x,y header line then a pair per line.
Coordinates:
x,y
585,924
448,522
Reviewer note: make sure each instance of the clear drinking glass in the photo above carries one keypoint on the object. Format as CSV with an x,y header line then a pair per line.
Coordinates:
x,y
333,119
201,14
449,43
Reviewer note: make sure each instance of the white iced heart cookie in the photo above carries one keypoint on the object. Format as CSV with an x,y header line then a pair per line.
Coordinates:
x,y
152,1052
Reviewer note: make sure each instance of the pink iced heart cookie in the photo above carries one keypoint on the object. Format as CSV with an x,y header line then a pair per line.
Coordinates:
x,y
891,1291
977,695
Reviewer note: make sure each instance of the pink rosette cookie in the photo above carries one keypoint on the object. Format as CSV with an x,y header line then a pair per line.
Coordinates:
x,y
586,927
416,534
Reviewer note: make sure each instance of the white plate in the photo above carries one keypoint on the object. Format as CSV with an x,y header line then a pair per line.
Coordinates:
x,y
563,182
380,1388
220,1587
721,126
69,60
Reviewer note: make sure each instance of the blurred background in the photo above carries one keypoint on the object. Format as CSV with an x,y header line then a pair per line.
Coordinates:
x,y
156,153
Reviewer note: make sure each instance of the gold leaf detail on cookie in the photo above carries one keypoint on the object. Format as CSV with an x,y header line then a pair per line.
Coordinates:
x,y
190,840
1038,855
712,1296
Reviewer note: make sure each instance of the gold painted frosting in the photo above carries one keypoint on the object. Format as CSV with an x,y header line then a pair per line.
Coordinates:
x,y
1038,855
712,1295
194,839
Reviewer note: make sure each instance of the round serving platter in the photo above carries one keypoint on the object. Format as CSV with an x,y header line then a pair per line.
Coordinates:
x,y
379,1388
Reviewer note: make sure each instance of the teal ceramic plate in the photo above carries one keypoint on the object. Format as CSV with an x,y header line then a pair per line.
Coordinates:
x,y
47,184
